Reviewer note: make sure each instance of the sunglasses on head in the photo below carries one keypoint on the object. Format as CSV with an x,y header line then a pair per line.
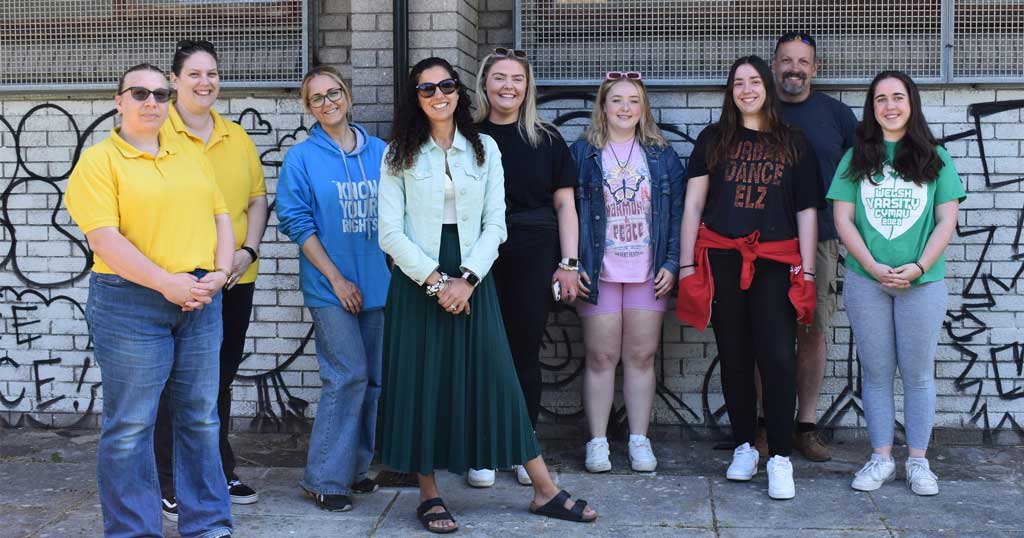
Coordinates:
x,y
803,37
616,75
140,94
510,53
193,43
447,86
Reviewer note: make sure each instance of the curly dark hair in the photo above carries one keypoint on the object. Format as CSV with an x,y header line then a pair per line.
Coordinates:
x,y
916,159
411,127
776,134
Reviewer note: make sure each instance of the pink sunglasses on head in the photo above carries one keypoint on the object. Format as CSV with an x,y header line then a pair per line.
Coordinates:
x,y
616,75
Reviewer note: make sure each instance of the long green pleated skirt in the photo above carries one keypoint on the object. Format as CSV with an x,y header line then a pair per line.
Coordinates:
x,y
451,396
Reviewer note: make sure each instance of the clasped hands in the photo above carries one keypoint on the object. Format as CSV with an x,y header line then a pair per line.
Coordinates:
x,y
895,277
192,293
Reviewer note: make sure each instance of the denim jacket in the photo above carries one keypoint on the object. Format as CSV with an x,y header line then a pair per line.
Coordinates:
x,y
667,190
410,211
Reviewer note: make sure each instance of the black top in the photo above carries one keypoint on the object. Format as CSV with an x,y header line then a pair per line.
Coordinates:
x,y
830,126
754,190
532,175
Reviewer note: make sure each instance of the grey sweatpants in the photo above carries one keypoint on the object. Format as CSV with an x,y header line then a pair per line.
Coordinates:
x,y
896,328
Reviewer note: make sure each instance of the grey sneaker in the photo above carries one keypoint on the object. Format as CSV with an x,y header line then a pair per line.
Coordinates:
x,y
920,477
874,473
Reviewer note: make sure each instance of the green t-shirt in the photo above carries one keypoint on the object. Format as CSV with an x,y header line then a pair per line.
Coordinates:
x,y
895,217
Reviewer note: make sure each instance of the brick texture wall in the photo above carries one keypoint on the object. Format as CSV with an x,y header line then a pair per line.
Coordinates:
x,y
49,379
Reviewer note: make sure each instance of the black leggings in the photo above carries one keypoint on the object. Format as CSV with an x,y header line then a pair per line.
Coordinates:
x,y
755,326
237,308
522,275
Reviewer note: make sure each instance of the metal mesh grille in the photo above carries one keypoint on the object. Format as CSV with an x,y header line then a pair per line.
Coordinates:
x,y
88,43
695,42
988,39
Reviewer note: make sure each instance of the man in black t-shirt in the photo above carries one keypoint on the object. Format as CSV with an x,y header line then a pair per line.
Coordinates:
x,y
829,124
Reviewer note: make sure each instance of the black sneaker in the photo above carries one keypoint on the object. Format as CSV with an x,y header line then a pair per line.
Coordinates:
x,y
170,508
241,493
331,503
366,485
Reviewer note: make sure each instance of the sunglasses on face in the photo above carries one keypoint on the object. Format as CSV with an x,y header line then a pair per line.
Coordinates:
x,y
334,95
510,53
803,37
616,75
447,86
140,94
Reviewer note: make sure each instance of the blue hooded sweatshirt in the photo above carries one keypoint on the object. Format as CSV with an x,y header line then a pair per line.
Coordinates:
x,y
324,191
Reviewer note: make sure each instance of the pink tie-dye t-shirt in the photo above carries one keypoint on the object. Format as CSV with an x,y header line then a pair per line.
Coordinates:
x,y
627,199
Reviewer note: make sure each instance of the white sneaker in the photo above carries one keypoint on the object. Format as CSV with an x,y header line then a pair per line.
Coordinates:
x,y
874,473
920,477
744,463
597,457
641,457
780,478
480,478
522,476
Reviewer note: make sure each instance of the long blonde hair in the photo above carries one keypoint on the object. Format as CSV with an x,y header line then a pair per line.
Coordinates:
x,y
647,131
530,125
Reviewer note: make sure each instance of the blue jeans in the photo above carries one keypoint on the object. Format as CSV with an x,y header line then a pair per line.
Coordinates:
x,y
348,348
142,342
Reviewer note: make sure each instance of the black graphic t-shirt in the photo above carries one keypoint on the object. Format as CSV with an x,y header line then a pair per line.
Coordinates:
x,y
532,175
753,189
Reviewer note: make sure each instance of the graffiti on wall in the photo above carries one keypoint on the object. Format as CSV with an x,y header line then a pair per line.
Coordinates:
x,y
45,333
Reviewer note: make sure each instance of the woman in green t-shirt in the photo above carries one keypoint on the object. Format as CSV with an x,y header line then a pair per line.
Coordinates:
x,y
896,197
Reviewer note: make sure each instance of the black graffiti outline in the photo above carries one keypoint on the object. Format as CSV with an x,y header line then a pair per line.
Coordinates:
x,y
21,165
293,410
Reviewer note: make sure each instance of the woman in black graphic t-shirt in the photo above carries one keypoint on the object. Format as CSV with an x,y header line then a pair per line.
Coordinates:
x,y
754,185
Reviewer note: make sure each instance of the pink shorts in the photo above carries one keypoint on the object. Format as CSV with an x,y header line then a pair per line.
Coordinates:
x,y
616,297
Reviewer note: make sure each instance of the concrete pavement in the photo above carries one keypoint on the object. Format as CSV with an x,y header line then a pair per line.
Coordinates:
x,y
48,489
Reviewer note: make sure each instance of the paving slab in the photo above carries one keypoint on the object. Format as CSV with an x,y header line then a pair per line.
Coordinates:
x,y
801,533
819,504
46,484
961,505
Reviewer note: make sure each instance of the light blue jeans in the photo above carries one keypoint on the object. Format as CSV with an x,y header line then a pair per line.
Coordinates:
x,y
896,328
348,348
142,342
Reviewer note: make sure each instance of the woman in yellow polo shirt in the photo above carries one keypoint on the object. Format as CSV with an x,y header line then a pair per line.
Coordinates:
x,y
239,174
162,245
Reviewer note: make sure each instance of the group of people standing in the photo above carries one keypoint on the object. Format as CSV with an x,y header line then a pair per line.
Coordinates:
x,y
488,218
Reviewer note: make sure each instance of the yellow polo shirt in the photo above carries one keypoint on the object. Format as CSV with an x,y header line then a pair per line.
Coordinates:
x,y
163,205
236,167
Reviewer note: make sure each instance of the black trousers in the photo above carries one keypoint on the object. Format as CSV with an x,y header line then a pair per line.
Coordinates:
x,y
237,309
522,275
755,326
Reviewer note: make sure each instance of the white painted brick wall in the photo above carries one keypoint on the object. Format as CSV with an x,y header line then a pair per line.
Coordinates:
x,y
978,355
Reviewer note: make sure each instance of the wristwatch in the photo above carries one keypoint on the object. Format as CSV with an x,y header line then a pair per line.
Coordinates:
x,y
470,276
569,264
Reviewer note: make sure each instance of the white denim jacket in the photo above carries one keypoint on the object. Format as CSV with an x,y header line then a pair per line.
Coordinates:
x,y
411,207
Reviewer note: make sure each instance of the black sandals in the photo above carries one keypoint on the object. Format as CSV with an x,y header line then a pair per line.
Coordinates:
x,y
555,508
427,518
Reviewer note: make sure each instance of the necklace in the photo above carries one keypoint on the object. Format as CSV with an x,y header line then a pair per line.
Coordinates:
x,y
622,164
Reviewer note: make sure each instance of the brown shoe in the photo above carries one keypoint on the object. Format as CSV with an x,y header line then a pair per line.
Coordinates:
x,y
811,446
761,442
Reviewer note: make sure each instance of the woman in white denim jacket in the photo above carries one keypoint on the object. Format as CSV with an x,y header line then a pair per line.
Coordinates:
x,y
451,395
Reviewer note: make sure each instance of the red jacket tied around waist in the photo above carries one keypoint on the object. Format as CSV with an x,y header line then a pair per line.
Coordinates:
x,y
697,290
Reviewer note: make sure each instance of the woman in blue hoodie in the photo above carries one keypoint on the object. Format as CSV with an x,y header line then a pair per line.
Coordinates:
x,y
327,204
